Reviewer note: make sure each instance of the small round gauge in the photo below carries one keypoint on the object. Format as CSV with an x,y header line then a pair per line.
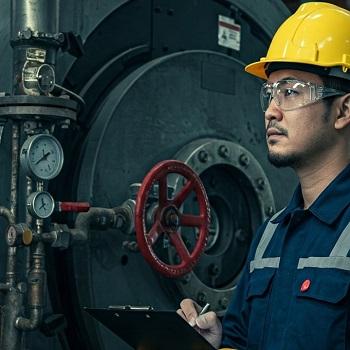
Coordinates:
x,y
40,204
42,157
18,234
11,235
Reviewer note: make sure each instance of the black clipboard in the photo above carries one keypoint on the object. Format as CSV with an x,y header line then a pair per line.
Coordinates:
x,y
146,329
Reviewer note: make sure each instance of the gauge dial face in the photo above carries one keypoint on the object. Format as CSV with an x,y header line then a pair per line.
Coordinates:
x,y
11,235
42,156
40,204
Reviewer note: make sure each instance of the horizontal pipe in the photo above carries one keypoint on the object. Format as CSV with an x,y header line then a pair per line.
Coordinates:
x,y
95,217
4,287
6,213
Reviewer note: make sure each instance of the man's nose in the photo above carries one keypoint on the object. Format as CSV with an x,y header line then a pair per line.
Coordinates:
x,y
273,111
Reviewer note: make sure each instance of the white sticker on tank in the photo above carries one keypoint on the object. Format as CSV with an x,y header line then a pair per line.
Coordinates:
x,y
229,33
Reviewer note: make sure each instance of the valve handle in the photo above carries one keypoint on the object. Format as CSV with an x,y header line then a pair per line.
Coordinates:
x,y
76,207
168,218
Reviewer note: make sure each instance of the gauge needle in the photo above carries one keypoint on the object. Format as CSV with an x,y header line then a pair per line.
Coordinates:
x,y
45,155
43,204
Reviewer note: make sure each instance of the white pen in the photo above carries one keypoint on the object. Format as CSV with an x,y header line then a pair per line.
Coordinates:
x,y
205,309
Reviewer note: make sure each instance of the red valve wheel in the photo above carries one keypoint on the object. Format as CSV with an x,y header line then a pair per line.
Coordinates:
x,y
168,217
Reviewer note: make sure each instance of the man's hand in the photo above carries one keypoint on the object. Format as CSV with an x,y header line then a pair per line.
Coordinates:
x,y
208,324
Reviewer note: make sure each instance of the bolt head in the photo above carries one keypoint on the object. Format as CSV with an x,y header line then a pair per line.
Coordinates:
x,y
243,159
223,151
203,156
201,298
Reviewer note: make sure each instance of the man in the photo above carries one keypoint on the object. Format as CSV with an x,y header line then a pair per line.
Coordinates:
x,y
294,292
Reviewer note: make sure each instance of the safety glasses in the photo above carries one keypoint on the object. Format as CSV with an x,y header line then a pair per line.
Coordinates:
x,y
291,94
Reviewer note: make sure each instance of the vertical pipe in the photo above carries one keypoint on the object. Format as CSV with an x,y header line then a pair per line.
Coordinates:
x,y
11,337
36,15
11,257
29,220
36,290
31,21
36,281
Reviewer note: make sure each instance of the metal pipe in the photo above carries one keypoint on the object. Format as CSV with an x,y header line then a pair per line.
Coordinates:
x,y
11,255
36,291
36,15
10,337
4,287
6,213
99,217
14,168
29,221
35,41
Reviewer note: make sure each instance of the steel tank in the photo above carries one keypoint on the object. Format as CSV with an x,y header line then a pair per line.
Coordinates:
x,y
161,79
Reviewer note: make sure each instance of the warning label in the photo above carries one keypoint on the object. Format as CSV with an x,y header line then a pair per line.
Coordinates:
x,y
229,33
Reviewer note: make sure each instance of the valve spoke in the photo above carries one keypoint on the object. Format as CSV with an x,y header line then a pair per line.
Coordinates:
x,y
180,247
192,220
154,233
181,196
163,191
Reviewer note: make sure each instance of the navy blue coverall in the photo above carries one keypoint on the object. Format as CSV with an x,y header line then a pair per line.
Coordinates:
x,y
294,291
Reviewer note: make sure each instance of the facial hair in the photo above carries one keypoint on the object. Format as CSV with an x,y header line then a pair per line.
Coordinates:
x,y
296,160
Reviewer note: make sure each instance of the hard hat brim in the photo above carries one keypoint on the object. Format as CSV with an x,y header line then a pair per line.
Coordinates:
x,y
257,69
261,68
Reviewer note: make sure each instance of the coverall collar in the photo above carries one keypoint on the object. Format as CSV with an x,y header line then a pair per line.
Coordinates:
x,y
328,205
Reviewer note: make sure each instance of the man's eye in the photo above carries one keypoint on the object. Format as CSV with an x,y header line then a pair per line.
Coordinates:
x,y
289,92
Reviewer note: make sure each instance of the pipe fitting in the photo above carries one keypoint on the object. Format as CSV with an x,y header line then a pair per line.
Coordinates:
x,y
101,218
31,323
6,213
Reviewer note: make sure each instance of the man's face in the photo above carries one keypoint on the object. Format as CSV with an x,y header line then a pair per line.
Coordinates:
x,y
296,137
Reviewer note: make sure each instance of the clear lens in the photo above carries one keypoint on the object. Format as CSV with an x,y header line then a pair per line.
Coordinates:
x,y
293,94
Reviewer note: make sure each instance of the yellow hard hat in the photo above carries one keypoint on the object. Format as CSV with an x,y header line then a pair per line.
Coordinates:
x,y
317,34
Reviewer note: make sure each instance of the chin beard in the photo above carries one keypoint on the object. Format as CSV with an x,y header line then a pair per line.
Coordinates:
x,y
280,161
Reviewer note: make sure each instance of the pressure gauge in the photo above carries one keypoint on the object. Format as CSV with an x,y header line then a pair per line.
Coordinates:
x,y
40,204
42,157
11,236
19,234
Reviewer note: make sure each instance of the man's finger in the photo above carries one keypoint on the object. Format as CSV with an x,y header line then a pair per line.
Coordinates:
x,y
208,320
190,310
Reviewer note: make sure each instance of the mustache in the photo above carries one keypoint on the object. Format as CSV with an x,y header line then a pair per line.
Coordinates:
x,y
274,124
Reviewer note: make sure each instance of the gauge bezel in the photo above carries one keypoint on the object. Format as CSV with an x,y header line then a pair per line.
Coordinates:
x,y
28,165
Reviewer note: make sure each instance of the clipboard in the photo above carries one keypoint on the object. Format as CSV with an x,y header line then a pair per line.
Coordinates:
x,y
146,329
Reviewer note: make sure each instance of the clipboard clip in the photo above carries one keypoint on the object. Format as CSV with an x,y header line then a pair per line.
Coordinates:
x,y
131,307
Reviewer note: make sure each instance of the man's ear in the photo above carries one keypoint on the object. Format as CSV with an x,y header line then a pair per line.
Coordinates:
x,y
343,112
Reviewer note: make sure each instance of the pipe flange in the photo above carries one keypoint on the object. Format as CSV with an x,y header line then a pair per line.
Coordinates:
x,y
37,107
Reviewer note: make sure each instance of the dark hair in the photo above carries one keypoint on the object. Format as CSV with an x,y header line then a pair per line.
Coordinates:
x,y
334,83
